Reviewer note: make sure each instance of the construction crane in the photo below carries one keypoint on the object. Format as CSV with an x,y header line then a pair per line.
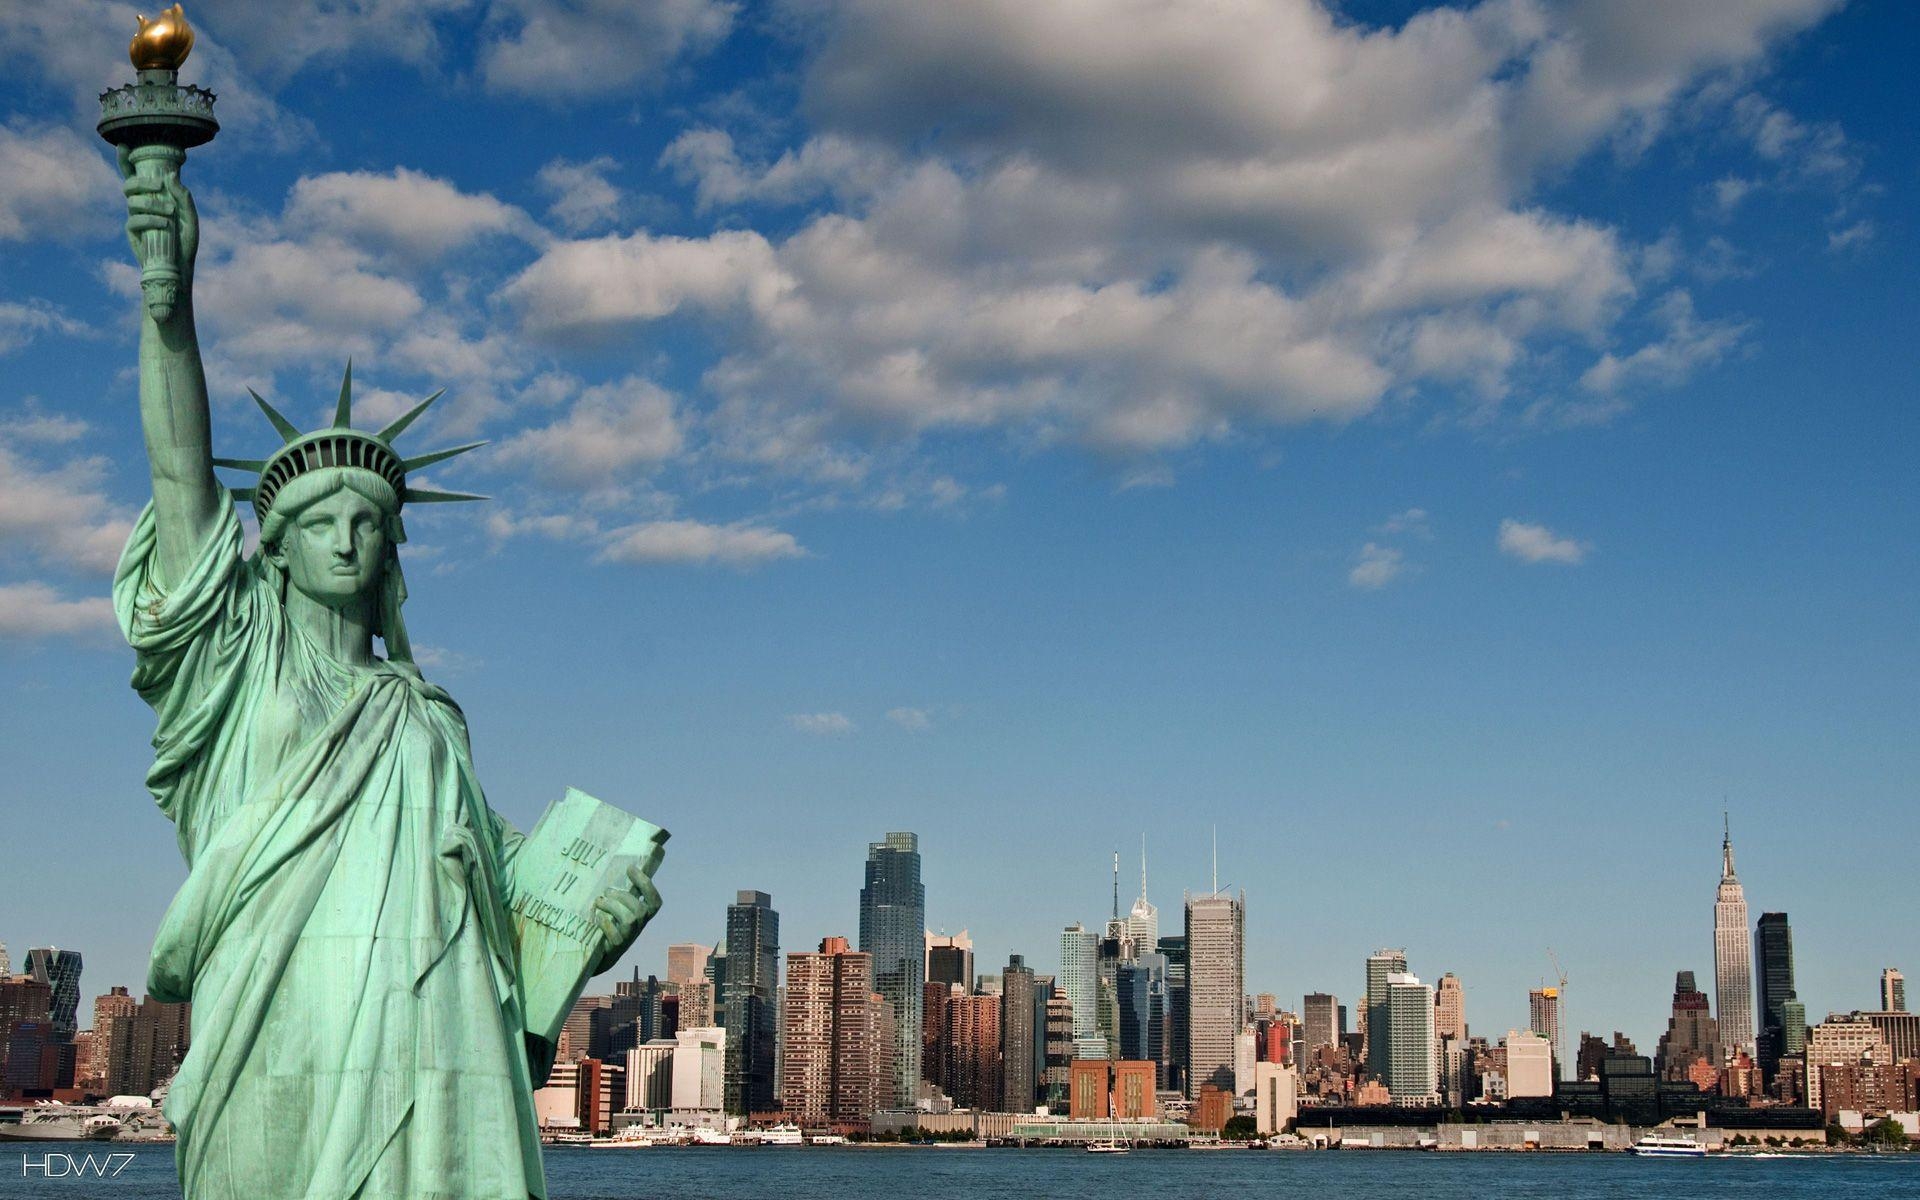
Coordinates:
x,y
1560,973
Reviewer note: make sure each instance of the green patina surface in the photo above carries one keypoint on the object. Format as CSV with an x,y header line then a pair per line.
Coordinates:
x,y
346,932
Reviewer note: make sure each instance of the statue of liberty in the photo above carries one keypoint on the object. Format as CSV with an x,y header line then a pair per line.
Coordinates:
x,y
349,931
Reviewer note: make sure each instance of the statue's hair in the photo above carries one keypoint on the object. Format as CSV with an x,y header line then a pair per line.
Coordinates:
x,y
304,491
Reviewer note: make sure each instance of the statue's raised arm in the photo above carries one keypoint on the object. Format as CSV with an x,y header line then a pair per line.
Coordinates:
x,y
173,386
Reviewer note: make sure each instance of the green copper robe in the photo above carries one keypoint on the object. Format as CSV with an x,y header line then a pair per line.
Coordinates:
x,y
342,933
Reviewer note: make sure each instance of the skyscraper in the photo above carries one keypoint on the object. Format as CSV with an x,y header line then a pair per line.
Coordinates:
x,y
1732,958
1412,1070
1080,983
1543,1017
1380,965
1174,949
6,963
1216,927
1143,919
893,927
1449,1009
1893,990
144,1046
1773,970
687,962
950,959
752,967
1692,1035
1321,1015
59,970
1020,1021
830,1062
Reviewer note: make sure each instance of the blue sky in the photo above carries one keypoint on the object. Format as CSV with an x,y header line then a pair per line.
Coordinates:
x,y
1452,451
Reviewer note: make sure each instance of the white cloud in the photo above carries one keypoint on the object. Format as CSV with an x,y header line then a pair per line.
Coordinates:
x,y
1687,344
1537,544
581,48
59,512
822,724
584,288
686,541
582,195
31,611
21,323
1376,566
610,431
1413,521
405,211
913,720
56,184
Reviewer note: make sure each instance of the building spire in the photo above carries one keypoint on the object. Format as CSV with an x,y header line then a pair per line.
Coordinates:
x,y
1143,864
1116,885
1216,860
1726,846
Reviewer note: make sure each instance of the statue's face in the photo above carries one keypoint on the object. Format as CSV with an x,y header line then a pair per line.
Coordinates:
x,y
335,549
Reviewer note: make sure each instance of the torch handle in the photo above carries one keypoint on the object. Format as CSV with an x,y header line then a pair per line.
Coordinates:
x,y
160,250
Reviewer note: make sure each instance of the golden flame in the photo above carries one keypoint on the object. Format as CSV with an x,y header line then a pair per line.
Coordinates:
x,y
162,43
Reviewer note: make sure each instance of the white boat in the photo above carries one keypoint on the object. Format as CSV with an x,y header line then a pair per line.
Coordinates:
x,y
712,1137
1655,1146
60,1123
1108,1146
780,1135
827,1139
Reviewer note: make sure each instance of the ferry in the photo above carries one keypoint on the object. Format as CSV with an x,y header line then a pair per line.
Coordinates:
x,y
827,1139
1655,1146
773,1135
712,1137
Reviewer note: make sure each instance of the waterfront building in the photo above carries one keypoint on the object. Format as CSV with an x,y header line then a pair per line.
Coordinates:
x,y
1080,979
1174,949
1212,1108
1692,1034
117,1002
1893,988
1020,1017
144,1046
59,970
1773,972
1529,1064
1543,1017
1732,957
1320,1013
699,1070
893,923
1216,983
973,1067
650,1076
1411,1075
1842,1041
687,962
1276,1097
748,1003
1246,1051
949,959
1380,965
1456,1071
1449,1008
1112,1089
1054,1078
829,1062
1900,1028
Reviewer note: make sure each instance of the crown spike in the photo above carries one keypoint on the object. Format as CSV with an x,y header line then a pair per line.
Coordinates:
x,y
286,429
399,427
427,460
425,496
256,465
343,411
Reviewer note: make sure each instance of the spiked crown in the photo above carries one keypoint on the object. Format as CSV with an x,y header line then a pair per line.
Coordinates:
x,y
340,445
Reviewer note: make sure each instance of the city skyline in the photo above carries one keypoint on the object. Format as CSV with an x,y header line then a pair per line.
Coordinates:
x,y
960,461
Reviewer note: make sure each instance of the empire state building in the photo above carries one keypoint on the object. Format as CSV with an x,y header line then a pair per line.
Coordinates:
x,y
1732,957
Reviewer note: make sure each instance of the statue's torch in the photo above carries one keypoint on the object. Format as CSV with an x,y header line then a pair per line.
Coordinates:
x,y
157,120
